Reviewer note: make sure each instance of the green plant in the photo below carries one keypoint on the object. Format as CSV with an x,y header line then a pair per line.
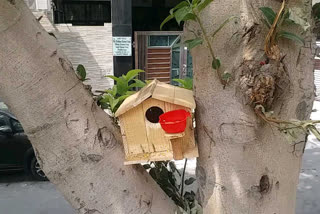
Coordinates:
x,y
165,174
291,128
186,83
276,22
124,87
81,72
189,11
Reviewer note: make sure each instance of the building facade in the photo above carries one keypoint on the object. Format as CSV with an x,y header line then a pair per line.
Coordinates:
x,y
84,30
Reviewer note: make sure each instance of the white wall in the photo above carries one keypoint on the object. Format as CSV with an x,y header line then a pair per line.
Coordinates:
x,y
90,46
38,4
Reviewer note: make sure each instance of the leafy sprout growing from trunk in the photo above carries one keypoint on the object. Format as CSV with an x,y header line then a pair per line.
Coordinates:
x,y
189,11
276,22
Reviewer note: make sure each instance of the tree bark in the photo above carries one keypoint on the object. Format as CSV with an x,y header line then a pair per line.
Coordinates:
x,y
246,165
76,143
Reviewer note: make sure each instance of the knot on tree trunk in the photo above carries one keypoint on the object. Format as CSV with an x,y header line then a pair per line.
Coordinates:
x,y
262,82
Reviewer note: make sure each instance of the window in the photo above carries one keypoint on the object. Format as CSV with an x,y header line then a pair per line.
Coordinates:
x,y
82,12
162,40
16,126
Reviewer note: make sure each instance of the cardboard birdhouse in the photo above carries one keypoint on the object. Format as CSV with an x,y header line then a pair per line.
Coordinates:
x,y
144,138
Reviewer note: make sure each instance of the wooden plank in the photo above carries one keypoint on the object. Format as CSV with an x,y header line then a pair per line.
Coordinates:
x,y
159,60
124,138
154,56
188,141
157,75
159,66
159,50
155,134
158,70
143,158
159,63
166,58
177,148
135,133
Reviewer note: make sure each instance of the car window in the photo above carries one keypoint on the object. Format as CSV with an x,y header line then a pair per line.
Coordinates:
x,y
16,126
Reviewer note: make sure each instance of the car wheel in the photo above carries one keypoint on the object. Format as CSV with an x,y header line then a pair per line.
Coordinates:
x,y
36,171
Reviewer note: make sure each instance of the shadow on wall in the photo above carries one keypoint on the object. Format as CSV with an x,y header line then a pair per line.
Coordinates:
x,y
90,46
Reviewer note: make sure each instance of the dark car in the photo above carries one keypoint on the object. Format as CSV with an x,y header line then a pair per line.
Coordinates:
x,y
16,152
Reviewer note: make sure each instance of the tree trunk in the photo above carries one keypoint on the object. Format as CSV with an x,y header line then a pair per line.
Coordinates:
x,y
247,165
76,143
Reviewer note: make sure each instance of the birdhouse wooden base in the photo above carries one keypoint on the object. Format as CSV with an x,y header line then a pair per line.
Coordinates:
x,y
143,138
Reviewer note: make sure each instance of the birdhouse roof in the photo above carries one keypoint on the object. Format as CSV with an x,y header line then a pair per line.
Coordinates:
x,y
160,91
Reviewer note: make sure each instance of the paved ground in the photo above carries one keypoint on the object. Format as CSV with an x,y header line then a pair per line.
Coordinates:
x,y
308,194
19,194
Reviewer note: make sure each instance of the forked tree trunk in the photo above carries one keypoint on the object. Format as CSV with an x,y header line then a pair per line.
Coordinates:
x,y
245,164
76,143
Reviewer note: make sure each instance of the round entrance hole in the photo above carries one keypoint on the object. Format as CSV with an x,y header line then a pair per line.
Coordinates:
x,y
153,113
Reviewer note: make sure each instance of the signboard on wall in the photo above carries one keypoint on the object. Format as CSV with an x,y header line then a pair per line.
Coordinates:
x,y
122,46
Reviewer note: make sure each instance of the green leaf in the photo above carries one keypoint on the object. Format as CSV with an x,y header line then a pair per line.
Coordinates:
x,y
114,90
130,92
315,132
203,4
189,181
195,2
153,174
181,81
171,16
290,36
122,86
186,83
104,99
266,23
146,166
173,166
113,77
216,64
222,25
226,76
123,97
193,43
268,14
132,74
138,83
178,6
81,72
184,14
113,103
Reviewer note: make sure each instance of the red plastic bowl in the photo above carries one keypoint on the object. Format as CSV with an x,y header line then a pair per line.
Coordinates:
x,y
174,121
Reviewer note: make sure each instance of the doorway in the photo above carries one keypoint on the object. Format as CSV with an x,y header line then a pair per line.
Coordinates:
x,y
162,57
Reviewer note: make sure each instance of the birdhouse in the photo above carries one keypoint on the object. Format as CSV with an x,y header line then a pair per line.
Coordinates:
x,y
156,124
